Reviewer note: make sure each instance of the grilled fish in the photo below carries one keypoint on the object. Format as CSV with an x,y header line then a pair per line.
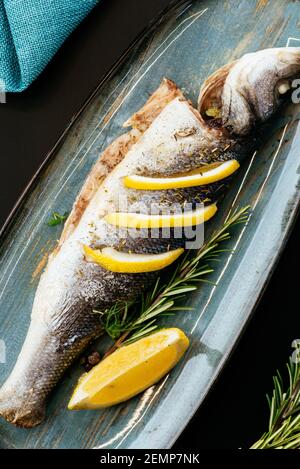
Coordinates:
x,y
167,136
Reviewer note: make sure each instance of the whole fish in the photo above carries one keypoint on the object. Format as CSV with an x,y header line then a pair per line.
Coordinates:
x,y
168,136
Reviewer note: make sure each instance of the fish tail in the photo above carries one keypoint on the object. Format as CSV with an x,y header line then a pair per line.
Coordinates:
x,y
23,411
43,359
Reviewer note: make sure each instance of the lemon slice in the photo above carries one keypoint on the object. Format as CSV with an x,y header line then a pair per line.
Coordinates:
x,y
124,262
140,220
129,370
201,178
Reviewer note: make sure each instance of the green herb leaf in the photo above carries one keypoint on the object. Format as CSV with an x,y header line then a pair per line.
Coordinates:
x,y
126,322
57,218
284,420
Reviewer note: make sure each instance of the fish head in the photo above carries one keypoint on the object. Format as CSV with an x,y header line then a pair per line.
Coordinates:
x,y
250,90
256,87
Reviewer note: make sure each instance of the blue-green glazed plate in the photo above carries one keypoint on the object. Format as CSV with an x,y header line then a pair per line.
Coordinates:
x,y
187,44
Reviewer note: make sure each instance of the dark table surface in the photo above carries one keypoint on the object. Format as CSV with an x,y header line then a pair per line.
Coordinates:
x,y
235,412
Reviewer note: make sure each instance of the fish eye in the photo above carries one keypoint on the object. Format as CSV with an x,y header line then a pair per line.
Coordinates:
x,y
283,86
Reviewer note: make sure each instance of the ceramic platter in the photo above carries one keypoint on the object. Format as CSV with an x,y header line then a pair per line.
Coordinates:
x,y
187,44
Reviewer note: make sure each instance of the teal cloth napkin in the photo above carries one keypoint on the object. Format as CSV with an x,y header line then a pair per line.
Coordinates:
x,y
31,31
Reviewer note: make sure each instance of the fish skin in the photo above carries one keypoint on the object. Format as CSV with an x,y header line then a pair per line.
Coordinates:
x,y
70,288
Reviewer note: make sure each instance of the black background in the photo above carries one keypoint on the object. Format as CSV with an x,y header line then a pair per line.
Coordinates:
x,y
235,412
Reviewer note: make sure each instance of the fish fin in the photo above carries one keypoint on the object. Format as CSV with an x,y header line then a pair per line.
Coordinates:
x,y
25,416
165,93
211,90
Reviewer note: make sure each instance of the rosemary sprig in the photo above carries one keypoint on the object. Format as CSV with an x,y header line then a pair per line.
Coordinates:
x,y
57,218
284,421
126,323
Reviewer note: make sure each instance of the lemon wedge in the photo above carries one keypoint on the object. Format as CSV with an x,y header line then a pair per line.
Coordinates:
x,y
201,178
140,220
124,262
129,370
